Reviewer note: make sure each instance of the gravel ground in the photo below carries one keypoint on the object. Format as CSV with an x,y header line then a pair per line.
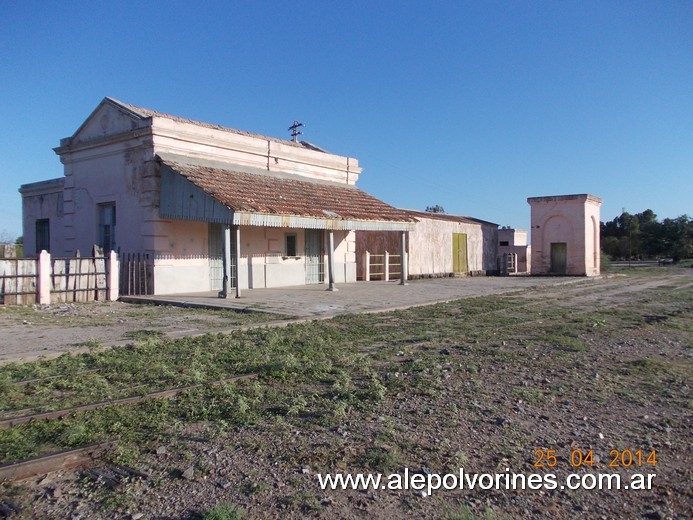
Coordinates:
x,y
487,409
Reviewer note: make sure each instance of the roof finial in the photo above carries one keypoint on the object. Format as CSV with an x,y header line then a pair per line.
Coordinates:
x,y
294,131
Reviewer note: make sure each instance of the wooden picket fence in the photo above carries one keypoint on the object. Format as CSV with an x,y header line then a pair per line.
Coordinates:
x,y
17,281
77,279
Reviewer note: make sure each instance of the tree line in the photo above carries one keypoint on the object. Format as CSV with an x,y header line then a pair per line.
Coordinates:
x,y
642,236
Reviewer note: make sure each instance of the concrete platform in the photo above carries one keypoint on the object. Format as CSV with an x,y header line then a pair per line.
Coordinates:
x,y
313,301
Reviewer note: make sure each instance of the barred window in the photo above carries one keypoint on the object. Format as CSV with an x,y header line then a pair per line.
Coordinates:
x,y
43,235
107,223
290,248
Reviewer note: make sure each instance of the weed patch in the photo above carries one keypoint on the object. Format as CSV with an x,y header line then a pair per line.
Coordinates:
x,y
143,335
224,511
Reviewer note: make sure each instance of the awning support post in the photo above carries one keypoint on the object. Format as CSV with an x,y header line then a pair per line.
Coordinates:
x,y
238,261
330,260
403,258
226,239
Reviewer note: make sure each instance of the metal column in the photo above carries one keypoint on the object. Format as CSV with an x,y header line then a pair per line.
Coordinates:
x,y
330,260
226,239
403,258
238,261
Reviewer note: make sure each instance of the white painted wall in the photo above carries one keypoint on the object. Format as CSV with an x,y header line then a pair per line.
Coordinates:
x,y
199,142
181,265
181,275
430,246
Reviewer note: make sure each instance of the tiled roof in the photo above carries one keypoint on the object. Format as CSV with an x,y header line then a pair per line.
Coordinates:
x,y
146,112
445,216
270,194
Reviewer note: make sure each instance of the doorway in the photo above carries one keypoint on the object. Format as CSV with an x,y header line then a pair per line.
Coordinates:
x,y
459,253
315,265
559,257
215,239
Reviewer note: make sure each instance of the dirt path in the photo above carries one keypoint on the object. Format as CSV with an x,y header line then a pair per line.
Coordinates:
x,y
37,331
32,332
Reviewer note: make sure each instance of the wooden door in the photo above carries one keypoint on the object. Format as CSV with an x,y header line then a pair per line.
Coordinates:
x,y
459,253
559,257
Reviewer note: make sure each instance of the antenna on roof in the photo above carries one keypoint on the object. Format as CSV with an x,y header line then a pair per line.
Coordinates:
x,y
294,131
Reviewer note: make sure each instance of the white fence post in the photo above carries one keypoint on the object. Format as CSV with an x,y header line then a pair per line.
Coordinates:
x,y
113,279
367,266
43,273
387,266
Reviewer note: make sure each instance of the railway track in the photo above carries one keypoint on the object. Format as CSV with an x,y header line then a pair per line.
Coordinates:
x,y
68,459
162,394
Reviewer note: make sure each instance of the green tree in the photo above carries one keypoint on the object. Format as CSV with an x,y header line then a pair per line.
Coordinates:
x,y
19,246
678,235
651,239
643,236
629,235
610,246
435,209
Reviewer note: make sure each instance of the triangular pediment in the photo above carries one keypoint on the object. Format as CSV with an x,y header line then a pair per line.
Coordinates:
x,y
110,117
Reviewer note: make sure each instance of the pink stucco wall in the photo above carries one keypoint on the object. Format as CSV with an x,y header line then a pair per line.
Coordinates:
x,y
181,261
517,245
111,175
43,200
569,219
110,159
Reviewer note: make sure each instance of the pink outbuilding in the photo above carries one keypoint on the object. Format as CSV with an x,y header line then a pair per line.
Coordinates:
x,y
565,235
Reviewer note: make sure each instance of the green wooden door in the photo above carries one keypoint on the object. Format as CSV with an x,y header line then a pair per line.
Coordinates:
x,y
459,253
559,257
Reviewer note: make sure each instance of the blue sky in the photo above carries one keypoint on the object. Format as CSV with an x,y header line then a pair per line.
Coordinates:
x,y
471,105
